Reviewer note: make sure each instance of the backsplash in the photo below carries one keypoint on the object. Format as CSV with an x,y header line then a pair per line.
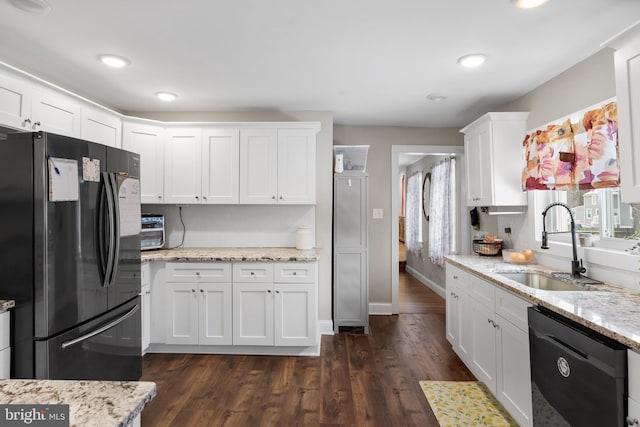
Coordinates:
x,y
234,225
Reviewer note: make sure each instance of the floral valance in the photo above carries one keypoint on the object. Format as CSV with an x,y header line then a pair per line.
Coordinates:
x,y
574,155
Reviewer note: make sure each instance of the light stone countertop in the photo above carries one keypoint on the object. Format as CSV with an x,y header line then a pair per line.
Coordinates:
x,y
612,310
6,304
91,403
230,254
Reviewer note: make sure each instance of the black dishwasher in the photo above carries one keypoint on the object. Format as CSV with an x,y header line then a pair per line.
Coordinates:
x,y
578,376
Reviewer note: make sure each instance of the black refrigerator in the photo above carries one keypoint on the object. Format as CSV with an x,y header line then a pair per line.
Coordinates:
x,y
70,257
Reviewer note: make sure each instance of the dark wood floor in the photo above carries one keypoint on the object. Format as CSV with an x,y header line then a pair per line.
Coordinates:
x,y
358,380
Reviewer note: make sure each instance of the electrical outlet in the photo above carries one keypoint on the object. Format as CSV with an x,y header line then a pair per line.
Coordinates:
x,y
507,230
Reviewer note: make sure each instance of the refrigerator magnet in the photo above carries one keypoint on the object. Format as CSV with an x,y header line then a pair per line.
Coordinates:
x,y
90,169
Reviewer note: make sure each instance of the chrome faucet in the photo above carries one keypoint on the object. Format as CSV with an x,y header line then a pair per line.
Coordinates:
x,y
576,266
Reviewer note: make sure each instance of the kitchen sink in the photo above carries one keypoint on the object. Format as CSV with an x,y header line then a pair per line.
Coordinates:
x,y
543,281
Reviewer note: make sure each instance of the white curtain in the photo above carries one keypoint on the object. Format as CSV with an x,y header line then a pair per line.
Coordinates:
x,y
413,218
442,210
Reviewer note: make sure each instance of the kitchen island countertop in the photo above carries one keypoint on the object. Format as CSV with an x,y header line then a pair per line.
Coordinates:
x,y
230,254
91,403
609,309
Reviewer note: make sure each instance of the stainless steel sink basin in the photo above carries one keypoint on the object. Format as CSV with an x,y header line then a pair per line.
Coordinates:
x,y
542,281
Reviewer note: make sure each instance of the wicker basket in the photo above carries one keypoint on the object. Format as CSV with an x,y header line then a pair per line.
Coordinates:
x,y
487,248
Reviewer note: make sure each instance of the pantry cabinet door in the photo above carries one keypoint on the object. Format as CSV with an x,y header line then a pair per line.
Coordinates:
x,y
183,167
221,166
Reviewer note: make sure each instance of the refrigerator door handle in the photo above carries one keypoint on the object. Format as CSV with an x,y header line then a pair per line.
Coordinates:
x,y
102,248
116,227
101,329
111,214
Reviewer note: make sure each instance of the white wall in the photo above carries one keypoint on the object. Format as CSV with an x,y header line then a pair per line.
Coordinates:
x,y
251,216
381,139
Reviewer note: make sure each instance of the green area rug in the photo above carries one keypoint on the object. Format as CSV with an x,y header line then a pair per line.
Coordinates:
x,y
465,403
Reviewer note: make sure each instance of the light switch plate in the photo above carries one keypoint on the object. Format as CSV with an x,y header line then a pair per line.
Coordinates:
x,y
378,213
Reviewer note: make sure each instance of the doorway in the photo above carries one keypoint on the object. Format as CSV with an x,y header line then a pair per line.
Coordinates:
x,y
419,151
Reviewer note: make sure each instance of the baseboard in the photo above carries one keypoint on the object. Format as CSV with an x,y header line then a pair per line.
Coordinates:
x,y
426,281
325,327
379,308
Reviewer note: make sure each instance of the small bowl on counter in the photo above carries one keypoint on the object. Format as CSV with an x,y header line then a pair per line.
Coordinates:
x,y
526,256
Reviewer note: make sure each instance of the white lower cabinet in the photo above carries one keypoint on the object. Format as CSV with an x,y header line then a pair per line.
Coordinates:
x,y
253,314
199,302
498,340
5,349
145,290
633,401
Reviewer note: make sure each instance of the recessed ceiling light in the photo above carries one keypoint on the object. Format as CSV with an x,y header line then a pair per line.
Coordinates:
x,y
472,61
529,4
166,96
33,6
436,97
114,61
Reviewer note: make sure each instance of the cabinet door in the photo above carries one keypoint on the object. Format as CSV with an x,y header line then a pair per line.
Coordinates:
x,y
183,166
296,166
220,166
350,288
145,304
253,314
477,146
101,127
148,141
483,348
514,376
214,311
182,318
627,64
15,103
452,314
295,314
465,329
258,166
53,112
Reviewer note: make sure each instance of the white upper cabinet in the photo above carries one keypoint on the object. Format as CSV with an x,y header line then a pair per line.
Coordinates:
x,y
296,166
627,65
28,107
183,165
221,166
277,166
148,141
101,126
258,166
15,102
493,153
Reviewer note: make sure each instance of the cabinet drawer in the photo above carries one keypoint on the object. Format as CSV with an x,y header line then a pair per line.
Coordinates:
x,y
5,329
202,271
512,308
294,272
249,272
633,365
455,275
482,291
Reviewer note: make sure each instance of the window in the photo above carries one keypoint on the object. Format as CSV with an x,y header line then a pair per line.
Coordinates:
x,y
413,219
599,212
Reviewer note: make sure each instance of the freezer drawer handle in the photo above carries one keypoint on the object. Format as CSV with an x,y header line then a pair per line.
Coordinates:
x,y
101,329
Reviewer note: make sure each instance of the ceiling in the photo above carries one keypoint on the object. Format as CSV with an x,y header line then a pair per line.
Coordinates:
x,y
370,62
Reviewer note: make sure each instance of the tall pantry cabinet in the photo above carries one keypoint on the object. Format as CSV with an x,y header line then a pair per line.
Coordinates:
x,y
350,251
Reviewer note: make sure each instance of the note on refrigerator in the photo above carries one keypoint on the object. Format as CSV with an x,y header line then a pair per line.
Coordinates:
x,y
63,179
129,206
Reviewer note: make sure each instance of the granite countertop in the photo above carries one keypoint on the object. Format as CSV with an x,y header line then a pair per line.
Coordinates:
x,y
230,254
91,403
612,310
6,304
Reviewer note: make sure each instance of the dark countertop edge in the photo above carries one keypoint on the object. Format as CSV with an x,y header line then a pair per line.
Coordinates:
x,y
634,345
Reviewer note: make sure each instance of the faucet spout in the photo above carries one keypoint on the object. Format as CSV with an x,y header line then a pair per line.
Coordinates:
x,y
576,266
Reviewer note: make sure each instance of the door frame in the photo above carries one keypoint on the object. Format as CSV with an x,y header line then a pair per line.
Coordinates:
x,y
396,150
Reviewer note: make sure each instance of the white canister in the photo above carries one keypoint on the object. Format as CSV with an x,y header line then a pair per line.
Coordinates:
x,y
304,238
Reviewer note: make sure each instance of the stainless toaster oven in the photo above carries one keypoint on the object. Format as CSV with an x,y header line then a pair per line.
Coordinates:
x,y
152,234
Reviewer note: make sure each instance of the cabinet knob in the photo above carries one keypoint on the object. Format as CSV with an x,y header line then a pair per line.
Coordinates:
x,y
27,121
277,292
252,273
37,124
201,291
294,273
204,197
273,197
193,290
197,198
455,277
632,421
159,197
281,198
148,292
269,290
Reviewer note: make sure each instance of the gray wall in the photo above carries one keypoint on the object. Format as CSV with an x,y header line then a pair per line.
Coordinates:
x,y
381,139
324,186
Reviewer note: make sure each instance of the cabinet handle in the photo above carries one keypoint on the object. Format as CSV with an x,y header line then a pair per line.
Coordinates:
x,y
455,277
491,322
148,292
27,121
632,421
37,124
